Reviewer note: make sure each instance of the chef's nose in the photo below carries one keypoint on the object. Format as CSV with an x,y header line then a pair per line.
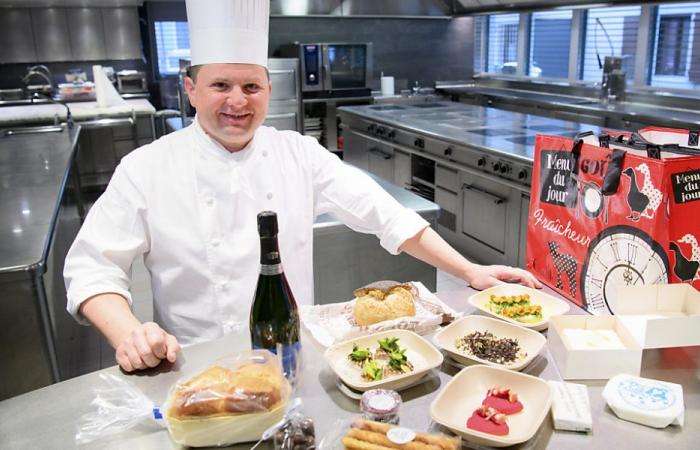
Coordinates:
x,y
237,97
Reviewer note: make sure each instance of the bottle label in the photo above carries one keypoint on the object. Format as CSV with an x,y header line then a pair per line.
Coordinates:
x,y
272,269
291,358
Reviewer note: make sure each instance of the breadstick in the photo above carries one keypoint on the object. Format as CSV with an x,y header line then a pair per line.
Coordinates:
x,y
380,438
442,442
356,444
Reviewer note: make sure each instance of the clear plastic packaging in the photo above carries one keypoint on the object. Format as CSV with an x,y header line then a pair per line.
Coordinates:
x,y
233,400
297,433
359,434
119,406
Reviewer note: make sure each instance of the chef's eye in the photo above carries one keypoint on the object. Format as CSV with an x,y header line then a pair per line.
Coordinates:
x,y
252,87
219,86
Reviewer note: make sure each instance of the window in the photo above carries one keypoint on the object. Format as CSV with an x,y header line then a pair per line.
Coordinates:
x,y
550,35
503,44
610,32
172,44
676,48
479,25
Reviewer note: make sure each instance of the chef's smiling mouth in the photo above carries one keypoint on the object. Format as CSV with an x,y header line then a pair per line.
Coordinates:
x,y
236,116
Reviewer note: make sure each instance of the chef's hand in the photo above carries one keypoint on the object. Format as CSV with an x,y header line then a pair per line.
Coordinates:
x,y
146,346
482,277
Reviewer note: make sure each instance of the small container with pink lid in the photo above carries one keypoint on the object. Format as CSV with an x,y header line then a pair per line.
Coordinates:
x,y
381,405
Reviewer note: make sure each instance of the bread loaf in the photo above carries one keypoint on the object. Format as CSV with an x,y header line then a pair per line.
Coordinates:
x,y
234,400
219,391
376,305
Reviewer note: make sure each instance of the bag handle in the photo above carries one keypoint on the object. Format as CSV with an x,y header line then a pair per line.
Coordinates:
x,y
611,179
637,142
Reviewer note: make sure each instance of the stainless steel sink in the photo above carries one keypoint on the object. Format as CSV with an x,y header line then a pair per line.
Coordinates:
x,y
33,130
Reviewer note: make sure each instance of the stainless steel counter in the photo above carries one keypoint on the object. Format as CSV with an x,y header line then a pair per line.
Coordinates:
x,y
58,407
492,130
34,169
621,111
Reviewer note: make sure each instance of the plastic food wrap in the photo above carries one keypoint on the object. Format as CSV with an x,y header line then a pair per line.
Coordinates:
x,y
234,400
361,434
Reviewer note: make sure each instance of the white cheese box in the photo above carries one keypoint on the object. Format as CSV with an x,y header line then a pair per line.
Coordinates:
x,y
660,315
592,347
571,407
642,400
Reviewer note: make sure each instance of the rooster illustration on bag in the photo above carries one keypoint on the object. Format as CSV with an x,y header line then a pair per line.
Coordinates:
x,y
645,201
686,268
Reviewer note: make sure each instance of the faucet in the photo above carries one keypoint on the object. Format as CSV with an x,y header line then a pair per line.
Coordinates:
x,y
69,117
416,88
41,67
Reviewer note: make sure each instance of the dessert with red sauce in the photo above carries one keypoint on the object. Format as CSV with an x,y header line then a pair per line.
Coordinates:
x,y
504,400
488,420
491,416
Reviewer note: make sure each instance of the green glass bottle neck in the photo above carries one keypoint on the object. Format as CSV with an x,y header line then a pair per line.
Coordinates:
x,y
270,262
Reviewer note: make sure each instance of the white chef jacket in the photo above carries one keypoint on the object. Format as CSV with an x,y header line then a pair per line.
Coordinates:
x,y
190,207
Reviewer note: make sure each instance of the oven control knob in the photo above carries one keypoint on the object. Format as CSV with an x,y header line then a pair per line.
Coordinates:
x,y
522,174
420,143
391,134
505,168
448,151
312,77
481,162
371,127
497,167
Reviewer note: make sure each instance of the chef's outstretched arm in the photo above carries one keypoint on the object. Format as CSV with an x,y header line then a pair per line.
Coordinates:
x,y
137,345
430,248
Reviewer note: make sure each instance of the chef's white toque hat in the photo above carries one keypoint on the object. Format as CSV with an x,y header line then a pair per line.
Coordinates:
x,y
228,31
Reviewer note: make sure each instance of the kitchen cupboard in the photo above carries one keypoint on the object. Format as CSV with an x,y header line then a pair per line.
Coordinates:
x,y
381,161
86,34
50,27
489,220
121,33
16,36
402,169
356,149
40,35
102,147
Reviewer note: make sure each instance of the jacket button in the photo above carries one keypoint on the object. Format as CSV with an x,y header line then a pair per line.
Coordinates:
x,y
215,243
269,195
264,153
209,201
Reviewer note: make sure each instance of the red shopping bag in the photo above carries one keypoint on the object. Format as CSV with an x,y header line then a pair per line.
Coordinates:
x,y
601,217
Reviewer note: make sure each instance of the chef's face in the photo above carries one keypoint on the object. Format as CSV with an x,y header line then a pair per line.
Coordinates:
x,y
231,101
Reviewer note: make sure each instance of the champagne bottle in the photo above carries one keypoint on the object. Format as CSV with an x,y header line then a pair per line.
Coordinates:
x,y
274,319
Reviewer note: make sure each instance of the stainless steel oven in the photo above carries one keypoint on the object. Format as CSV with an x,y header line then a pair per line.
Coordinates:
x,y
341,68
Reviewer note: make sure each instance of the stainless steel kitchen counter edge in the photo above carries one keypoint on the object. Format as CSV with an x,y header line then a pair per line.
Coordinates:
x,y
637,111
34,169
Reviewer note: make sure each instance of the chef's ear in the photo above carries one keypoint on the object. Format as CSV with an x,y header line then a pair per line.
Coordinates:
x,y
190,90
269,81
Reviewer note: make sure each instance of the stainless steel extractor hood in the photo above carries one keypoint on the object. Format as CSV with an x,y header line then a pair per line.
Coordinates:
x,y
404,8
467,7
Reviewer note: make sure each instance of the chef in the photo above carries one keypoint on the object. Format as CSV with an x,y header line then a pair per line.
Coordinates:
x,y
188,204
